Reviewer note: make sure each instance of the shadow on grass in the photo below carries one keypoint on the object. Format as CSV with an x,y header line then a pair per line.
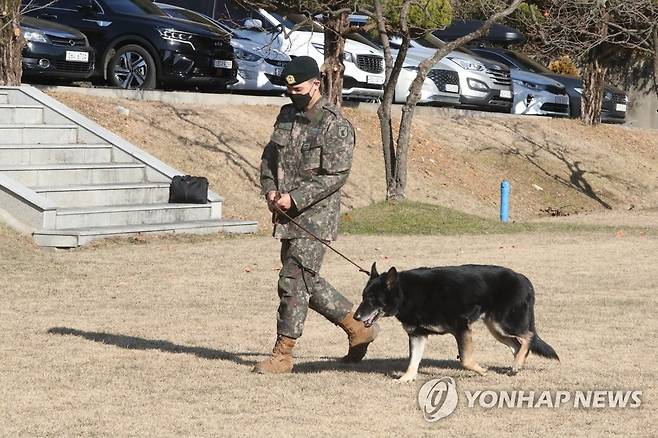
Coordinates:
x,y
136,343
388,367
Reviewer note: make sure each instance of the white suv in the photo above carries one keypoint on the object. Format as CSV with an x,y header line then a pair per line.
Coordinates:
x,y
364,65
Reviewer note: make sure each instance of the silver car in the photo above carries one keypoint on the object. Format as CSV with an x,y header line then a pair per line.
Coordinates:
x,y
536,94
441,85
483,84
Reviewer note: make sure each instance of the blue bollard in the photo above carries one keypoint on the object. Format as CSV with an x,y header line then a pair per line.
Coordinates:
x,y
504,201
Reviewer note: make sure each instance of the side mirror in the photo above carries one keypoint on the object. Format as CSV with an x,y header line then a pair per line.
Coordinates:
x,y
253,24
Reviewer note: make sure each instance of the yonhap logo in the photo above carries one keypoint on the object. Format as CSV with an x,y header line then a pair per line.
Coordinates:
x,y
438,398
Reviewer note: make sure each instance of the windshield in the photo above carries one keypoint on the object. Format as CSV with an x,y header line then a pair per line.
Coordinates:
x,y
528,64
291,20
366,38
431,42
188,15
135,7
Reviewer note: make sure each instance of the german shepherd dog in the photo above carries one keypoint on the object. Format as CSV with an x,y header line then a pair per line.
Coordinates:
x,y
449,299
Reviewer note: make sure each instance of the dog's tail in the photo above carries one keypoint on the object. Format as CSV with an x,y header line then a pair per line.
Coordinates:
x,y
539,347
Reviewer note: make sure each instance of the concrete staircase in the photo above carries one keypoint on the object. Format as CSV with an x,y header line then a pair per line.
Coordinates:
x,y
69,181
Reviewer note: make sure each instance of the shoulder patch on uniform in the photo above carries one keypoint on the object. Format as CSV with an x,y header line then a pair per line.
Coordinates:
x,y
343,131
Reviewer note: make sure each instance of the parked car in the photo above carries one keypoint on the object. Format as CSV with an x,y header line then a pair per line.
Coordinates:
x,y
259,67
55,51
364,65
613,109
441,87
138,46
536,94
483,84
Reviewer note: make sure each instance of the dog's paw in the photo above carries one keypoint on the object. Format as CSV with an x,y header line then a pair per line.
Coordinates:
x,y
406,378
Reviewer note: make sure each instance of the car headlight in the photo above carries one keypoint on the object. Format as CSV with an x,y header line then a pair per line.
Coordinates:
x,y
319,47
468,64
34,35
411,67
245,55
607,95
578,90
176,36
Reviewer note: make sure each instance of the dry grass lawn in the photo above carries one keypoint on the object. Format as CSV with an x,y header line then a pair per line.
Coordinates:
x,y
157,338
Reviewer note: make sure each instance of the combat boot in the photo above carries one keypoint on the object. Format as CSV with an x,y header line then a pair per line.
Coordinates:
x,y
359,337
281,360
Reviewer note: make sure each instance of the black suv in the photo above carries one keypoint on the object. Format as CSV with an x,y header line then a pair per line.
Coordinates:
x,y
138,46
55,51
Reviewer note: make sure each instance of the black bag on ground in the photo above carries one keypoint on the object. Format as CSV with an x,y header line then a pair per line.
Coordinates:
x,y
188,190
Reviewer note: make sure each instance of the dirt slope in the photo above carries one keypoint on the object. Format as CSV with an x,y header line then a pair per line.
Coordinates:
x,y
455,161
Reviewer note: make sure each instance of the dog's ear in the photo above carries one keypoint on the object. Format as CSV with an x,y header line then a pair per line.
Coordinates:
x,y
373,271
391,278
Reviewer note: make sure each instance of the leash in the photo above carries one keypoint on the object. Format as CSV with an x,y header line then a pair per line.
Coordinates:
x,y
281,212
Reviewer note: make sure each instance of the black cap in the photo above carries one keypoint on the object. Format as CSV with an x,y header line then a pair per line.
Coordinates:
x,y
300,69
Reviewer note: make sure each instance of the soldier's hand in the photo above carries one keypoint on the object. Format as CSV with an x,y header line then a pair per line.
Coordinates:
x,y
284,202
270,197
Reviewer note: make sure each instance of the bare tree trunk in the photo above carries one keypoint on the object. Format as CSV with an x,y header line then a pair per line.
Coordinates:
x,y
11,43
655,58
334,47
593,89
393,156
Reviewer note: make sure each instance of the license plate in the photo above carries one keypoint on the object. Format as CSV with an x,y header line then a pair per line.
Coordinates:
x,y
222,63
621,107
452,88
375,80
77,56
562,100
506,94
278,71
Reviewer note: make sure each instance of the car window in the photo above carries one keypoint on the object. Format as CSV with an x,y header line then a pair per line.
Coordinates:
x,y
134,7
527,63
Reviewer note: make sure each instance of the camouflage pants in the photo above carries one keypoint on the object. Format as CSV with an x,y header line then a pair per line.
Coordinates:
x,y
300,287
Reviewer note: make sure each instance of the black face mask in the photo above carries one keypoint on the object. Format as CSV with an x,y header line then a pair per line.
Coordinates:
x,y
300,101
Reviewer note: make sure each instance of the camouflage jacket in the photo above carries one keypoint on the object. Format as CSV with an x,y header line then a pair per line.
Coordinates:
x,y
308,156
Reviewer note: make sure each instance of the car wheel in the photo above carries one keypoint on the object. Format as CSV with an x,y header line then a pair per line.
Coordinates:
x,y
132,67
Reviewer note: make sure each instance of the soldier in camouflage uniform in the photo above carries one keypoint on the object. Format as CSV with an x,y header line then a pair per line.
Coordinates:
x,y
303,168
